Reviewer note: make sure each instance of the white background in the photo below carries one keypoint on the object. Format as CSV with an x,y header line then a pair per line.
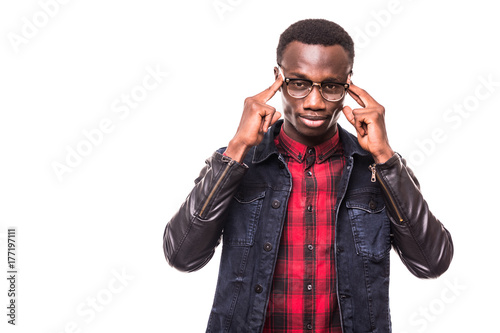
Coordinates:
x,y
105,217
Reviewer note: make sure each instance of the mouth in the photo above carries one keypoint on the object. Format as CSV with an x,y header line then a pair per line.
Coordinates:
x,y
313,121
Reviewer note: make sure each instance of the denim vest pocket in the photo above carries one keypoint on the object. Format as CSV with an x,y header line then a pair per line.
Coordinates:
x,y
243,217
371,227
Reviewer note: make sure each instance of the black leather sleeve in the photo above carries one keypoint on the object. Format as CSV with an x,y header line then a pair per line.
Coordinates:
x,y
422,242
193,233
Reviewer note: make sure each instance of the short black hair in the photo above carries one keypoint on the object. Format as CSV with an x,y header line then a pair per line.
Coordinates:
x,y
315,32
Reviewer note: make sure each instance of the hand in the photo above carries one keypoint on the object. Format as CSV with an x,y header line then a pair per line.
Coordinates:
x,y
369,124
256,119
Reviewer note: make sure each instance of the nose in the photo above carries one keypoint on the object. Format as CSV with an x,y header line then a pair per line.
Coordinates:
x,y
314,101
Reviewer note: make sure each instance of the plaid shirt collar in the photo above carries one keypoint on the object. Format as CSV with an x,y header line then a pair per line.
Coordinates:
x,y
267,147
298,151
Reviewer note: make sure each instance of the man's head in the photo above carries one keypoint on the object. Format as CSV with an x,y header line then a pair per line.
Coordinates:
x,y
315,32
320,51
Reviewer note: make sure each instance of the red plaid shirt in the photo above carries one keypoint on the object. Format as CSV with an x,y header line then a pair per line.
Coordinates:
x,y
303,296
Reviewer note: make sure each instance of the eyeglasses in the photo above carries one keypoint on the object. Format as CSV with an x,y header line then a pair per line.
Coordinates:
x,y
300,88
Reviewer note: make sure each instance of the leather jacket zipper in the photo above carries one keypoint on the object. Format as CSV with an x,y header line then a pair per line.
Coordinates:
x,y
374,178
216,186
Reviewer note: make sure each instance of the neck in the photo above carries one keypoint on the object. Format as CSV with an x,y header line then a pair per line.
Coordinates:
x,y
309,141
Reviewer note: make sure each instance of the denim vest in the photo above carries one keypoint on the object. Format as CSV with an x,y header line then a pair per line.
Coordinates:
x,y
253,228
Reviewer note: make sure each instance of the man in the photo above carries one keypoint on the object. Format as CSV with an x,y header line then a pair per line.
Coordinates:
x,y
307,212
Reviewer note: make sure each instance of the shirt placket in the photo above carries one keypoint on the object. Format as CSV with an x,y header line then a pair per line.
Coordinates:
x,y
309,243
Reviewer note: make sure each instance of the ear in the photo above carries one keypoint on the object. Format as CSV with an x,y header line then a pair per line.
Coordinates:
x,y
349,78
276,75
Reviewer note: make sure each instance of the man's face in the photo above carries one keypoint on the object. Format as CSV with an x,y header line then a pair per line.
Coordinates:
x,y
312,120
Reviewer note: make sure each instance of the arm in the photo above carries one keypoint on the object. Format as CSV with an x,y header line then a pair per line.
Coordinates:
x,y
422,242
191,236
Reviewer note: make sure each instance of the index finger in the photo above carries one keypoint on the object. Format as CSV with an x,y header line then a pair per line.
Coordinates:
x,y
271,91
360,96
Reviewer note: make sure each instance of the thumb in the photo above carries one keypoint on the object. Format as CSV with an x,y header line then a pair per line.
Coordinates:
x,y
276,117
359,125
271,120
349,114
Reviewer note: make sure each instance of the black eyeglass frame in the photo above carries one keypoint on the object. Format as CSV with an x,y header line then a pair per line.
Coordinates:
x,y
319,84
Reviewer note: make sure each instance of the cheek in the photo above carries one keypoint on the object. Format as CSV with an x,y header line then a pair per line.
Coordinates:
x,y
287,108
337,106
336,115
338,109
290,105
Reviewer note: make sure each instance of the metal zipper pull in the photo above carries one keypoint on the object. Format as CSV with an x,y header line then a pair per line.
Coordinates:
x,y
374,179
372,168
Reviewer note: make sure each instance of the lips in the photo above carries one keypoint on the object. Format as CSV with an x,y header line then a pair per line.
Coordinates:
x,y
313,121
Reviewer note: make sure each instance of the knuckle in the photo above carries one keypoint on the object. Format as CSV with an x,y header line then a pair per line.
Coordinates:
x,y
379,111
250,102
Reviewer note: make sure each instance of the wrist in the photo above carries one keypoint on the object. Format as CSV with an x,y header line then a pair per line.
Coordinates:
x,y
236,150
383,156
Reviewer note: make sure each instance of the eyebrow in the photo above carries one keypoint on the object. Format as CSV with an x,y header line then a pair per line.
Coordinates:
x,y
304,77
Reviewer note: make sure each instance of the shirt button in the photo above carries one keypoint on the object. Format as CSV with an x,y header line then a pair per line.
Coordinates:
x,y
310,247
309,287
268,247
310,151
276,204
309,208
309,326
309,173
258,289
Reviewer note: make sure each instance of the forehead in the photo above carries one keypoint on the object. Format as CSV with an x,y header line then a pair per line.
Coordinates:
x,y
316,61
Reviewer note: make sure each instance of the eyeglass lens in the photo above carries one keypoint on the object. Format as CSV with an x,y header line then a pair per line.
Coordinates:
x,y
330,91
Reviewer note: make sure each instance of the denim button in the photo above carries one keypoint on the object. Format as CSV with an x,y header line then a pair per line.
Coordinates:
x,y
276,204
258,289
268,247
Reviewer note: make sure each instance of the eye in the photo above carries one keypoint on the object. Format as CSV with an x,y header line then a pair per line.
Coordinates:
x,y
298,84
329,86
